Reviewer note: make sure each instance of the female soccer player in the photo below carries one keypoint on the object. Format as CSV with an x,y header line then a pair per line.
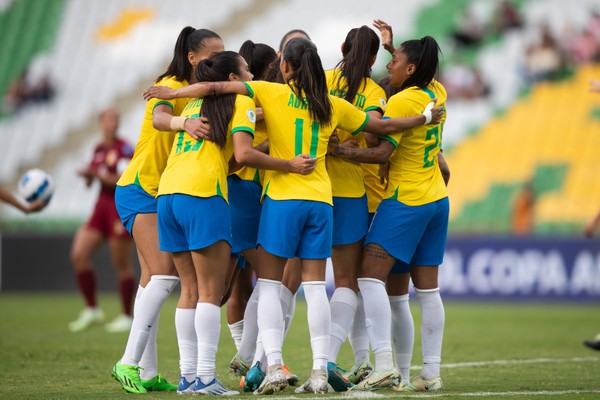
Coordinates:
x,y
109,160
245,187
194,220
351,80
296,218
411,223
136,203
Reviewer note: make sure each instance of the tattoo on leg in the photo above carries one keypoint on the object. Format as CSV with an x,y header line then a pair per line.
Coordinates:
x,y
376,251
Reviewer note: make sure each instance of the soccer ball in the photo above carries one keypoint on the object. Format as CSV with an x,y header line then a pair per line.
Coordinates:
x,y
36,184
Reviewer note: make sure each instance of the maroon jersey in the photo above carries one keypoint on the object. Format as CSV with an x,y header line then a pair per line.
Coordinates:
x,y
107,159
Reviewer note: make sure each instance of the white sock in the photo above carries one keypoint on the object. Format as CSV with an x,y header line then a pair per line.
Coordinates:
x,y
270,319
343,309
432,330
208,329
187,342
403,334
319,321
358,337
250,332
287,304
237,329
378,322
147,309
259,354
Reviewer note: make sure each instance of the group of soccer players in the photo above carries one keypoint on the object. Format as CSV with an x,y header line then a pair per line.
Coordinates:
x,y
275,171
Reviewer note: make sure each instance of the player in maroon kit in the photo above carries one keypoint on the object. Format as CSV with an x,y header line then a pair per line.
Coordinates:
x,y
111,156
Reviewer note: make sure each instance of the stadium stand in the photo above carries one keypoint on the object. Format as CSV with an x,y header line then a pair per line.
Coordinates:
x,y
107,51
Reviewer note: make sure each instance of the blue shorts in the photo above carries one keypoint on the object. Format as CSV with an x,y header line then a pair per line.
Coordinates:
x,y
245,206
350,219
415,235
296,228
132,200
399,267
188,223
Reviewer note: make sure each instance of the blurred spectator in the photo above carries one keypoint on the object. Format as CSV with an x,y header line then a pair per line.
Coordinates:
x,y
464,83
543,60
22,91
506,17
469,30
523,210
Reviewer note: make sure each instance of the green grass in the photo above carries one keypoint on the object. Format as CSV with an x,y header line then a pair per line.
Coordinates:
x,y
541,344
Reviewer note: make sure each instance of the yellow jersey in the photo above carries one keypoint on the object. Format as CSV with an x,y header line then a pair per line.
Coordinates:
x,y
292,132
200,167
415,177
375,189
347,178
250,173
153,146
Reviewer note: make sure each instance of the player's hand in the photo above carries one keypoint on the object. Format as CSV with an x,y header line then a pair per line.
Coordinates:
x,y
333,144
588,231
198,128
302,164
159,92
387,36
35,206
433,115
595,85
384,174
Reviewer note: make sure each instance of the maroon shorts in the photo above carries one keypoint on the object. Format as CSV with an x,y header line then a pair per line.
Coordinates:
x,y
106,219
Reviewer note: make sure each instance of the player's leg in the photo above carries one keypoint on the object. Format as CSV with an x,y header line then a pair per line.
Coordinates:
x,y
403,328
120,251
86,242
211,265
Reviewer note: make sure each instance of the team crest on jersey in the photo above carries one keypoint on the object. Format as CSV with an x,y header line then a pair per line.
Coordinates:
x,y
251,115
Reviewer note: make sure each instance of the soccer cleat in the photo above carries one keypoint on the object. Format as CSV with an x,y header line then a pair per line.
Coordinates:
x,y
431,385
358,372
403,386
593,343
377,380
87,317
184,386
336,379
238,366
254,378
158,384
129,377
291,378
120,324
317,383
273,382
215,388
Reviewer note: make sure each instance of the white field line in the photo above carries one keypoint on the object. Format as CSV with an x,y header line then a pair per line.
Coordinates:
x,y
374,395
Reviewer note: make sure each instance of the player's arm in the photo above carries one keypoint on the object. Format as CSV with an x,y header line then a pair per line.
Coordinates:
x,y
374,155
245,154
27,208
164,120
197,90
444,169
591,226
431,115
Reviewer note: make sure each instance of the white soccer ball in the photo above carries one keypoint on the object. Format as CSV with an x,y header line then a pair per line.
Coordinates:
x,y
36,184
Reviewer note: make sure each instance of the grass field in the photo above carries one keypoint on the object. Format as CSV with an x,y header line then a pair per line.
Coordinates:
x,y
491,350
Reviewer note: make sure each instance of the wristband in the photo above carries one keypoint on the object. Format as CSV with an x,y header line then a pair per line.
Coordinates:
x,y
177,123
427,113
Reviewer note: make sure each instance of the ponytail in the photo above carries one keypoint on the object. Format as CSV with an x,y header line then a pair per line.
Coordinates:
x,y
358,51
259,57
307,79
424,53
189,40
218,109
